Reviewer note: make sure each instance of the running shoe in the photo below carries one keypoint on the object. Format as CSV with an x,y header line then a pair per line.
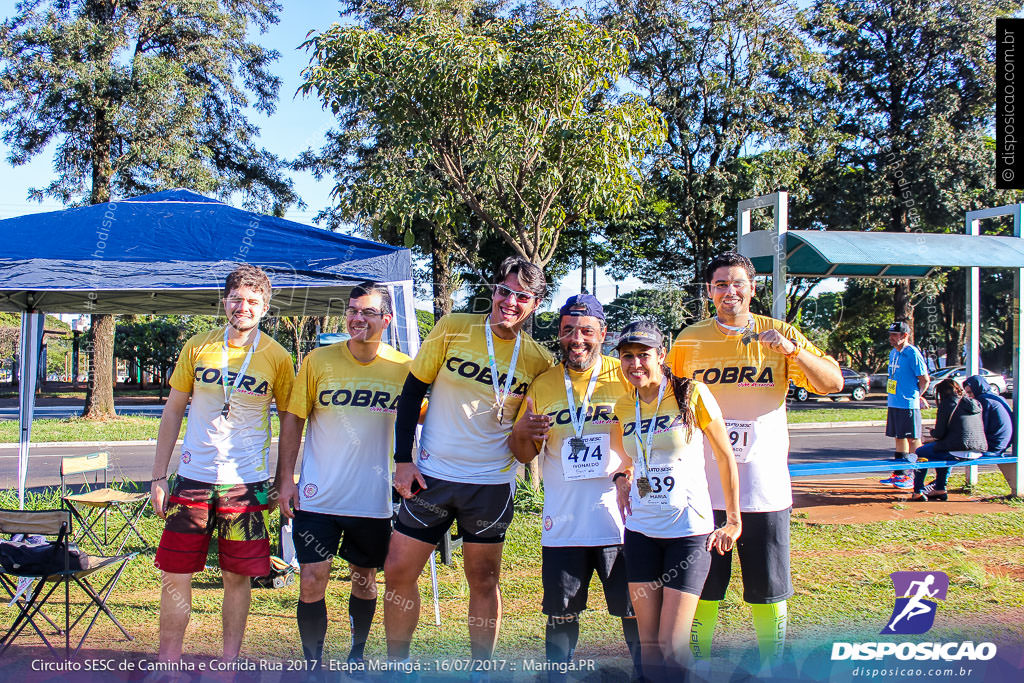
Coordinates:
x,y
904,482
893,478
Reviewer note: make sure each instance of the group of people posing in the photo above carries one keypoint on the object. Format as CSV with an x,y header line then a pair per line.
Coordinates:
x,y
657,464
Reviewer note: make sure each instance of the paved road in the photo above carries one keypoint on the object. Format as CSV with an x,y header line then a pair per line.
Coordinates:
x,y
135,461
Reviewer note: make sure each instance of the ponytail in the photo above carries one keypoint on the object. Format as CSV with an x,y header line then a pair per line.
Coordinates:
x,y
682,388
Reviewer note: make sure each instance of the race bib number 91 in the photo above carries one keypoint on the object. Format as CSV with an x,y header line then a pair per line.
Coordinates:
x,y
741,437
584,457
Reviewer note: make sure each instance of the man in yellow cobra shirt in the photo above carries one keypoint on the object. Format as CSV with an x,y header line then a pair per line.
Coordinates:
x,y
747,361
567,419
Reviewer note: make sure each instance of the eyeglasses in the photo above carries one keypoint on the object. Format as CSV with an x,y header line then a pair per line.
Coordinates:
x,y
521,297
365,312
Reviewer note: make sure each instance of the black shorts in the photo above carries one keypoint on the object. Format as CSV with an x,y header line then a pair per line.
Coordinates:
x,y
566,572
764,557
679,563
903,423
484,511
362,541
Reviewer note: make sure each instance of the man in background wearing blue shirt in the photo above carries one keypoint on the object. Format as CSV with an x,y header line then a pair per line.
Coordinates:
x,y
904,388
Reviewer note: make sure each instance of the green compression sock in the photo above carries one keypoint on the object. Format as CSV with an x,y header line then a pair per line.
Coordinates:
x,y
770,626
704,621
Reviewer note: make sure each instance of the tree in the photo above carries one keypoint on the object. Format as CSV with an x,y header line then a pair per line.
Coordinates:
x,y
151,344
139,96
915,105
672,309
733,80
505,127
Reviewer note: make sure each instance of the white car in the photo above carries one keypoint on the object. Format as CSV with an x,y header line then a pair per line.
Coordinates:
x,y
959,373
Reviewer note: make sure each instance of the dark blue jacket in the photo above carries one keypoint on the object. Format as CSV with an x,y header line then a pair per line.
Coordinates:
x,y
995,412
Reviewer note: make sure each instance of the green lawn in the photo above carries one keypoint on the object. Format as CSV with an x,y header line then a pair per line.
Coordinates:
x,y
126,428
845,415
840,573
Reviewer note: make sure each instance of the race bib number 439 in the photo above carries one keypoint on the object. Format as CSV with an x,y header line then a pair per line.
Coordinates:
x,y
584,457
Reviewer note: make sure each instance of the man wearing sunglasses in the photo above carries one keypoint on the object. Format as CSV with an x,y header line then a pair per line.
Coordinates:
x,y
478,368
342,505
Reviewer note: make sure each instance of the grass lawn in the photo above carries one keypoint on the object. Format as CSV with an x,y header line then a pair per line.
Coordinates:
x,y
121,428
840,573
845,415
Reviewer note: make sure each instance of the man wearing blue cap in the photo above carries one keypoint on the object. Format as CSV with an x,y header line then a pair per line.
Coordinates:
x,y
904,388
567,418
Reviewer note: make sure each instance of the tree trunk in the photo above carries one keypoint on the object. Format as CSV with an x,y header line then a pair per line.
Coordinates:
x,y
441,272
902,306
99,392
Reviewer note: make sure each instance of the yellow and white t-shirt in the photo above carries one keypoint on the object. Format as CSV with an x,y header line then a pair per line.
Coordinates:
x,y
750,383
462,439
351,406
235,449
579,497
678,504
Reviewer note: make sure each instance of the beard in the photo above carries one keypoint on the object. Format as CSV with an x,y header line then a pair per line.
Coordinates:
x,y
581,361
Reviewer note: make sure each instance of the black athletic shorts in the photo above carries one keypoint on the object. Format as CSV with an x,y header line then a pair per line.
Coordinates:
x,y
566,572
679,563
483,511
764,557
903,423
363,540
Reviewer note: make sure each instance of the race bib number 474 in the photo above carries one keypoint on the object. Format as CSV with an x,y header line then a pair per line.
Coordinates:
x,y
584,457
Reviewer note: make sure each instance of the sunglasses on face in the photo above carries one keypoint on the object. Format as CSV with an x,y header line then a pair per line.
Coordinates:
x,y
521,297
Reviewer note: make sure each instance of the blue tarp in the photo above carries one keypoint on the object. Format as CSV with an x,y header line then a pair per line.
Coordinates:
x,y
168,252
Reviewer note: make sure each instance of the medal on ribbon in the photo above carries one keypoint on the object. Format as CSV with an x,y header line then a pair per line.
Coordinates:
x,y
230,388
643,450
579,416
500,393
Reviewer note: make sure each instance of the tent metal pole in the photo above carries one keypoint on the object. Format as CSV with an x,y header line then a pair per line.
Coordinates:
x,y
31,338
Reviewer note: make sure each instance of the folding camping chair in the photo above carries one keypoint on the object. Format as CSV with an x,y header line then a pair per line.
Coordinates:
x,y
97,504
56,523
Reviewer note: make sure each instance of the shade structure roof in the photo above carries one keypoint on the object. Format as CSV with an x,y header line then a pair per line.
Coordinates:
x,y
169,252
811,253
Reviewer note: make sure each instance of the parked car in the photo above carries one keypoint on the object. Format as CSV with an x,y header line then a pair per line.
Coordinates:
x,y
959,373
855,385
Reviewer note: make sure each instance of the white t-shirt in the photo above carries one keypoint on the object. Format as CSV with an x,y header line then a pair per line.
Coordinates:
x,y
579,496
233,449
351,406
462,439
678,504
750,383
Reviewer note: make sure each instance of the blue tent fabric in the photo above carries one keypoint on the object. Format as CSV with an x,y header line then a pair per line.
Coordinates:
x,y
168,252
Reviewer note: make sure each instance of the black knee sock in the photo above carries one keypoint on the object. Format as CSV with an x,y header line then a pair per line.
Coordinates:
x,y
560,637
312,618
360,617
632,634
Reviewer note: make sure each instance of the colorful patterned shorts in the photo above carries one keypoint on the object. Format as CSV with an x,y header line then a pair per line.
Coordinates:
x,y
240,514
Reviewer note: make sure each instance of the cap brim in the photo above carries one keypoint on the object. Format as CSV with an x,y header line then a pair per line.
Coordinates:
x,y
643,341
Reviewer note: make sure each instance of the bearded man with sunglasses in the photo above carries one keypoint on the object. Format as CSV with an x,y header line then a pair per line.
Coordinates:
x,y
478,368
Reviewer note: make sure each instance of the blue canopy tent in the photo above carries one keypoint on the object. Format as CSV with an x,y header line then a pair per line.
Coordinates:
x,y
169,252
